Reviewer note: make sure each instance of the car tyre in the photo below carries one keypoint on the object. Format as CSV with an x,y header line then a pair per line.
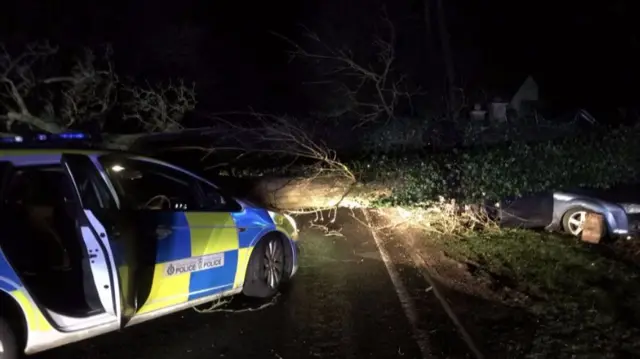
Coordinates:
x,y
8,341
573,220
266,269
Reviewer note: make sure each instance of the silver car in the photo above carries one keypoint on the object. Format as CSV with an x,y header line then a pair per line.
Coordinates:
x,y
566,210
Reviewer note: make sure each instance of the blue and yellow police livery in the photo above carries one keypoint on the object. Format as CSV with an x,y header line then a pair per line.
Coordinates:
x,y
96,241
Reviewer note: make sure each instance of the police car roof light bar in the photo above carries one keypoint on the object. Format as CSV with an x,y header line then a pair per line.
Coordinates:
x,y
12,139
45,138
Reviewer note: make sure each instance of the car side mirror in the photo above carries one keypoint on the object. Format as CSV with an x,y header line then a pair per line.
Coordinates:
x,y
220,203
214,202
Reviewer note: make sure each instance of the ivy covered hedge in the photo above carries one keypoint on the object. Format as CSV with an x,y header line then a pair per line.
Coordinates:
x,y
600,159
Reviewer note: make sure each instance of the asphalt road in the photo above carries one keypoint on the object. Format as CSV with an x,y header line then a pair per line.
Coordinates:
x,y
342,304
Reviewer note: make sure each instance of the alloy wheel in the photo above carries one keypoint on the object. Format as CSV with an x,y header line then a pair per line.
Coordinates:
x,y
575,222
273,263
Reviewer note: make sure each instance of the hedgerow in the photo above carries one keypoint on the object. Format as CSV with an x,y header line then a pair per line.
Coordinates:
x,y
513,169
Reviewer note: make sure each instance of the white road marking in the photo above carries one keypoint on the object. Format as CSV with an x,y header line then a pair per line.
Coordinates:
x,y
420,336
422,265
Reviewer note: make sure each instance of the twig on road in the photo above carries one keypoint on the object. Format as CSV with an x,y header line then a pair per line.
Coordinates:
x,y
216,307
327,231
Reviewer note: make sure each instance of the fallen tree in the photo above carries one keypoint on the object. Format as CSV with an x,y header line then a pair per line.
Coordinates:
x,y
440,190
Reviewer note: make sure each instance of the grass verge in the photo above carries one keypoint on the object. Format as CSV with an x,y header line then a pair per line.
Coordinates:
x,y
585,300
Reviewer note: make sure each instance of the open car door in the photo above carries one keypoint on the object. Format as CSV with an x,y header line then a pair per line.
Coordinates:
x,y
115,233
99,252
43,220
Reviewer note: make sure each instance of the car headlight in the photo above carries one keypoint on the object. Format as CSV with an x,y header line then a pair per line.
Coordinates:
x,y
292,222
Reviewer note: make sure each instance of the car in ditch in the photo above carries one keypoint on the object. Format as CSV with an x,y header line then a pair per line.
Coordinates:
x,y
95,241
566,210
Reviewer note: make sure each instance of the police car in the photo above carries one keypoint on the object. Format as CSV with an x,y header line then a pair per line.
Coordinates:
x,y
94,241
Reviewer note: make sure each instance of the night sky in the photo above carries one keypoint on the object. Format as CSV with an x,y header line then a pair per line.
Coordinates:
x,y
581,54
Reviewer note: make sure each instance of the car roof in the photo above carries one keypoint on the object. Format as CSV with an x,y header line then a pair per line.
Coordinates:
x,y
41,151
29,156
35,156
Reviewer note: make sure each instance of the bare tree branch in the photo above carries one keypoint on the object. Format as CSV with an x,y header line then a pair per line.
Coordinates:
x,y
358,79
88,94
281,136
18,80
217,306
160,108
85,94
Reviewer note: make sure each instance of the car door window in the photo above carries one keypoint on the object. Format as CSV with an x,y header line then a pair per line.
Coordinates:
x,y
148,186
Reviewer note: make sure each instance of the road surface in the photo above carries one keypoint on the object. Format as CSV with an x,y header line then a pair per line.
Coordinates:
x,y
343,303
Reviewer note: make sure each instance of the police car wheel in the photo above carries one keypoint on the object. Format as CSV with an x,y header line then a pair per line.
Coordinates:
x,y
8,343
265,272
